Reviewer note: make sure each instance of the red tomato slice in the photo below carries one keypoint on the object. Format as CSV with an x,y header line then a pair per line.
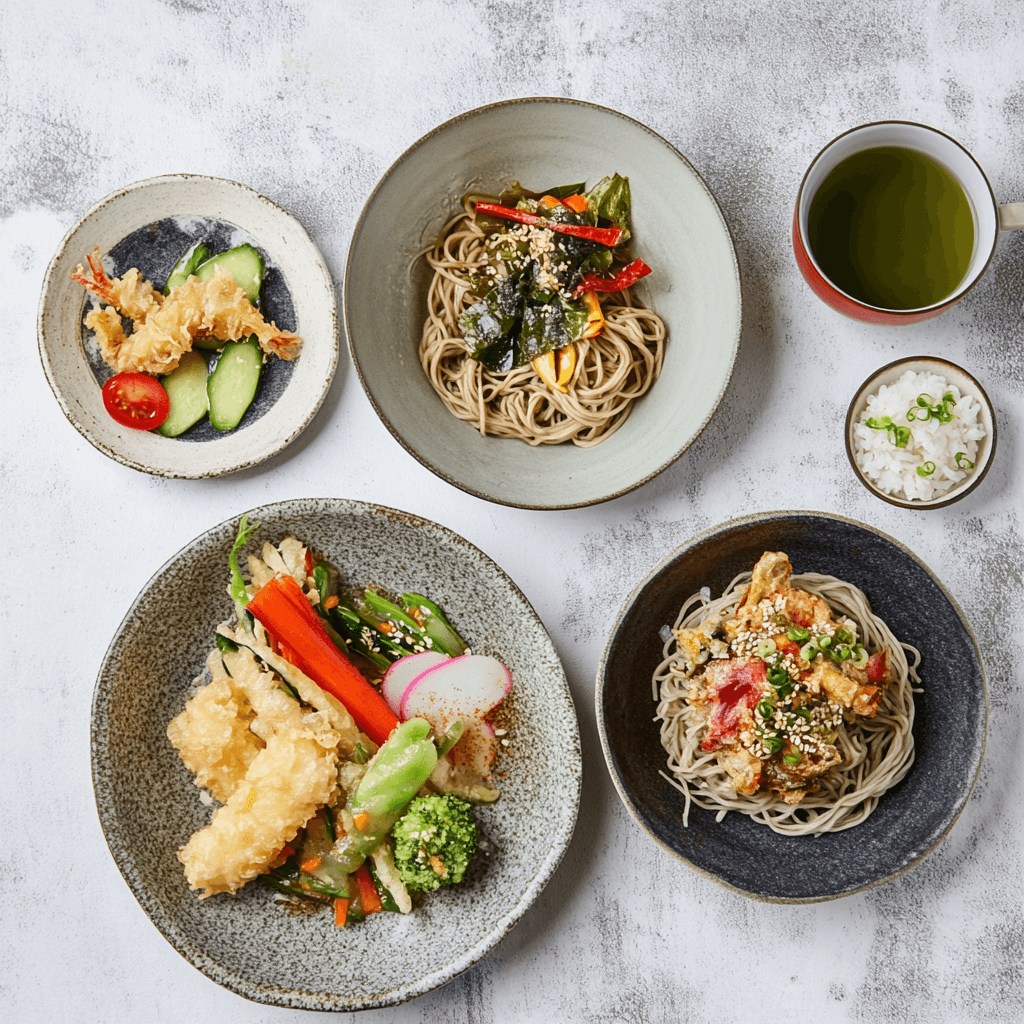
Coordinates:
x,y
136,400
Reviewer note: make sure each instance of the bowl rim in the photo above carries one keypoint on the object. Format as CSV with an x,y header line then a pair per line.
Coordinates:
x,y
195,953
692,542
956,492
67,406
358,229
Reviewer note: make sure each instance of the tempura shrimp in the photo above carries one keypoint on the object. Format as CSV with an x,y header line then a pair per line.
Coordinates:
x,y
164,327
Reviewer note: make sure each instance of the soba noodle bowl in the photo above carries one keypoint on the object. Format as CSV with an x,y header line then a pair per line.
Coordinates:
x,y
611,370
876,752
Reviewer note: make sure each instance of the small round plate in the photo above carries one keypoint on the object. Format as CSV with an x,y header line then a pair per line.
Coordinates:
x,y
149,224
678,229
149,806
949,720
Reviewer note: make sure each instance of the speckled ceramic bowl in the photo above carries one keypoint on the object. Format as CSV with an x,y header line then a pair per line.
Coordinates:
x,y
148,805
678,229
148,225
889,374
949,723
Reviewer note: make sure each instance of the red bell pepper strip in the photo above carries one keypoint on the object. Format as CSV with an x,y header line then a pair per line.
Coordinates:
x,y
626,277
606,236
289,619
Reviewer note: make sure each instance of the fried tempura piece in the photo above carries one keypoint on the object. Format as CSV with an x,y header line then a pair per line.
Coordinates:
x,y
164,328
283,786
212,734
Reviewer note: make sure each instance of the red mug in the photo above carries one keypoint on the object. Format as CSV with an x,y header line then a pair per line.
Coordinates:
x,y
989,216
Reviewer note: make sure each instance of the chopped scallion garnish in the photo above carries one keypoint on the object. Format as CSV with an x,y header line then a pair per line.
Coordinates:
x,y
962,461
793,758
765,709
766,647
797,633
926,469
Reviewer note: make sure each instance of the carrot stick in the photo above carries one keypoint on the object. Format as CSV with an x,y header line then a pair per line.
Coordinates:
x,y
340,911
289,619
368,894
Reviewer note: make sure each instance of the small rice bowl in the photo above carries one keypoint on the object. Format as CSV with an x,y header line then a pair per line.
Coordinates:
x,y
894,470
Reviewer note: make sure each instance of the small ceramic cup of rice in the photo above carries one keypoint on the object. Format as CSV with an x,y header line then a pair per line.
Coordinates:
x,y
920,433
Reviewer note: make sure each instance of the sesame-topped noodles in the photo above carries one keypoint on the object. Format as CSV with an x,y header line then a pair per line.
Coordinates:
x,y
786,699
522,339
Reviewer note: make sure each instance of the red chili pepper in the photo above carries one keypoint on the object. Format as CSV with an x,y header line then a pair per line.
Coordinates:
x,y
626,277
606,236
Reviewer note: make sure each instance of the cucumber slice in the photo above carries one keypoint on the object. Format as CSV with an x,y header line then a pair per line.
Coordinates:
x,y
186,388
190,260
232,385
244,264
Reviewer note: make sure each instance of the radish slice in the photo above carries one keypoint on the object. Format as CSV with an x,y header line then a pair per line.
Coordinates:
x,y
477,747
403,672
465,687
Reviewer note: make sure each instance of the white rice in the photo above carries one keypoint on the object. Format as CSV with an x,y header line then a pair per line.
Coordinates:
x,y
894,470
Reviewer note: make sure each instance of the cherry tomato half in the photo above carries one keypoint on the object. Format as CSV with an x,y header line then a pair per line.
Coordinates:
x,y
136,400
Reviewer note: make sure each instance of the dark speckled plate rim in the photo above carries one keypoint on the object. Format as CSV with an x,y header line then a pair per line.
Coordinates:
x,y
54,385
299,998
437,470
729,525
955,493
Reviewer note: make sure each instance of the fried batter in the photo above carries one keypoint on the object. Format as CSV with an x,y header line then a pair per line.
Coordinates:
x,y
165,327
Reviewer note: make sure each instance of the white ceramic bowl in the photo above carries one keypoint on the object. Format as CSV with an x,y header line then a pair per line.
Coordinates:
x,y
174,203
678,230
888,375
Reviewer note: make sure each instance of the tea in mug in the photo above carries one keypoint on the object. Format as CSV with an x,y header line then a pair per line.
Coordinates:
x,y
893,228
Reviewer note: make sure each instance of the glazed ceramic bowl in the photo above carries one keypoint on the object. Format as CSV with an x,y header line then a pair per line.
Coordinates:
x,y
148,805
888,375
148,225
949,723
678,229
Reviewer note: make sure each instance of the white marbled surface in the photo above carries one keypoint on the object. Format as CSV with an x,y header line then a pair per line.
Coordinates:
x,y
309,104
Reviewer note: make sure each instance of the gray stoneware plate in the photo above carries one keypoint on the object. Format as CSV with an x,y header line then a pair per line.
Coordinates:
x,y
148,225
949,723
148,805
678,229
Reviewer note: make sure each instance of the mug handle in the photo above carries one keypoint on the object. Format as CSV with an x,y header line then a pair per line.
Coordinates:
x,y
1011,216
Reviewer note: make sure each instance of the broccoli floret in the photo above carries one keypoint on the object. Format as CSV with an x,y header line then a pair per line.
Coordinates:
x,y
434,842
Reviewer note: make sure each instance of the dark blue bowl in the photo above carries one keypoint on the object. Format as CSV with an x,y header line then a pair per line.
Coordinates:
x,y
949,722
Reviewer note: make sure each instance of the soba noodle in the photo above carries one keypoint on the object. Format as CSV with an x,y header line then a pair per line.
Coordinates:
x,y
877,752
613,370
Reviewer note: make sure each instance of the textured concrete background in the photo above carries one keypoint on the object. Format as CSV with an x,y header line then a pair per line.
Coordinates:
x,y
309,104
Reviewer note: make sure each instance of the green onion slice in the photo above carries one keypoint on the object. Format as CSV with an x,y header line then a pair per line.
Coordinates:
x,y
797,633
859,657
778,676
879,424
773,743
926,469
804,713
793,758
765,709
900,436
809,651
766,647
841,652
962,461
844,636
925,401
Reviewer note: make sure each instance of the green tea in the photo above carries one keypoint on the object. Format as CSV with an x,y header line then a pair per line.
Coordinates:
x,y
892,228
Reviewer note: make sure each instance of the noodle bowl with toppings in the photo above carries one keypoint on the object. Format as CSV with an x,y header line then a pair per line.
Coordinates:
x,y
787,700
532,331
